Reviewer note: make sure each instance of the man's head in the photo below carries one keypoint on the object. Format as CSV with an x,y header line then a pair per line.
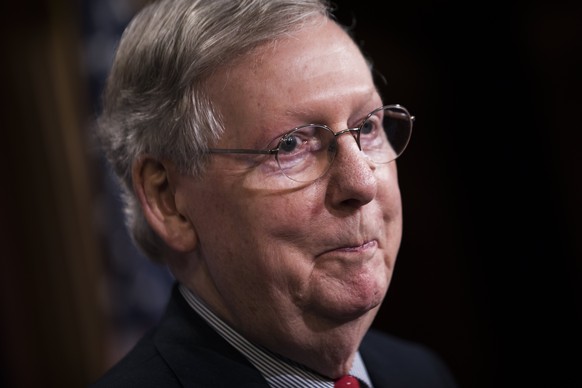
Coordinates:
x,y
156,101
298,267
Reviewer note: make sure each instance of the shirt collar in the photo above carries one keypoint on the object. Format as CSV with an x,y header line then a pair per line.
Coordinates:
x,y
278,371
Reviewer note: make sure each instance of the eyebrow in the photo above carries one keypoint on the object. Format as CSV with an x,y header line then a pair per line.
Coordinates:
x,y
297,112
307,111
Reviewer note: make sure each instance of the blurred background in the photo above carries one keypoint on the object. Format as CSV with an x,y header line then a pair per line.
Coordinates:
x,y
490,270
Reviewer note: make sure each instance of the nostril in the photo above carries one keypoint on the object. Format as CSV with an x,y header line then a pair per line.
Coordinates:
x,y
352,203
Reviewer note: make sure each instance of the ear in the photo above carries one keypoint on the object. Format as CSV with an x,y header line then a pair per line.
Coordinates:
x,y
153,188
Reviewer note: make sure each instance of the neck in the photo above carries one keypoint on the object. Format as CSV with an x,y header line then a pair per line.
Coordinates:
x,y
324,344
325,347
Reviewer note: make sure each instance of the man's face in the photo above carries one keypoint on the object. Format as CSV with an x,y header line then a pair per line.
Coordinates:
x,y
279,259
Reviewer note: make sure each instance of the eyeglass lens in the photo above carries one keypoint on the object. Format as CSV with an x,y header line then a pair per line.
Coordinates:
x,y
306,153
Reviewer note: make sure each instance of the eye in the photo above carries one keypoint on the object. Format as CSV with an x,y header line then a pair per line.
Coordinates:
x,y
367,128
371,126
289,143
301,140
372,135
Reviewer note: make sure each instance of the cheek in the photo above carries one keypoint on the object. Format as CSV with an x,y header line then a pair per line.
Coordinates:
x,y
389,194
288,216
391,200
392,213
266,231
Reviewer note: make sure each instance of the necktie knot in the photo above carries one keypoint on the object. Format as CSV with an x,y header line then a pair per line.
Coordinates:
x,y
347,381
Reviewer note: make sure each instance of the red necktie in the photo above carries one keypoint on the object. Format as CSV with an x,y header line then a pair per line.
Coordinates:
x,y
346,381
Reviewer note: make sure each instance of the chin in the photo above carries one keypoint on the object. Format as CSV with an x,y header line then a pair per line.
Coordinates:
x,y
347,298
364,293
353,306
361,309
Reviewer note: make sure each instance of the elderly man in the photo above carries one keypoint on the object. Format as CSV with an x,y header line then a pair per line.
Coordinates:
x,y
258,160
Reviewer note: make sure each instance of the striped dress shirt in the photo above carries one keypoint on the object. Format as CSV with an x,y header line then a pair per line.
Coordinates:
x,y
279,372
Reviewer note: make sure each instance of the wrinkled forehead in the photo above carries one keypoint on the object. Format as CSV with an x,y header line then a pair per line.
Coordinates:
x,y
293,67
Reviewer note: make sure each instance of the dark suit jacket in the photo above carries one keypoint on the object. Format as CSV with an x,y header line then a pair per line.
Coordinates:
x,y
183,351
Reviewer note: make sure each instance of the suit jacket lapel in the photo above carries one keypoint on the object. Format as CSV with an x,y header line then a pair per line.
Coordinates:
x,y
197,354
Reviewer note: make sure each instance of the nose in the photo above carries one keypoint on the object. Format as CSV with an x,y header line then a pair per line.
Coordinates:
x,y
352,182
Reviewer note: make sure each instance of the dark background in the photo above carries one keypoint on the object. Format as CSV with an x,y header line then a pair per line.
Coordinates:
x,y
490,270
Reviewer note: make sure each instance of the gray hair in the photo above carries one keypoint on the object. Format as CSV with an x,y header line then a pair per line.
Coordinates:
x,y
155,102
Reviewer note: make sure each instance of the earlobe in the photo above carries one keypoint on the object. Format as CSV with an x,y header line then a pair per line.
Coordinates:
x,y
156,194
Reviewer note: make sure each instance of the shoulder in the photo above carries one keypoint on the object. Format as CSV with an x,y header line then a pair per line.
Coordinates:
x,y
142,367
395,362
181,350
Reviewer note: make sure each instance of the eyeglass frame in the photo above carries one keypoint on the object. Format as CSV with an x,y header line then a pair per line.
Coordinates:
x,y
357,130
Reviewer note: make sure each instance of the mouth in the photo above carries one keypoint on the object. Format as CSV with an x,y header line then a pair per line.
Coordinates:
x,y
363,248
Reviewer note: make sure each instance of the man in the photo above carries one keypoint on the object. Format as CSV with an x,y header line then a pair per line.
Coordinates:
x,y
258,160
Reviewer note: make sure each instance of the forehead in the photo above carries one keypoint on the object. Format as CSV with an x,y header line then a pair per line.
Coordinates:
x,y
315,70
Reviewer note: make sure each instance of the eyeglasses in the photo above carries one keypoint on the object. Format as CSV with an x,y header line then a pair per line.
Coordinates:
x,y
306,153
